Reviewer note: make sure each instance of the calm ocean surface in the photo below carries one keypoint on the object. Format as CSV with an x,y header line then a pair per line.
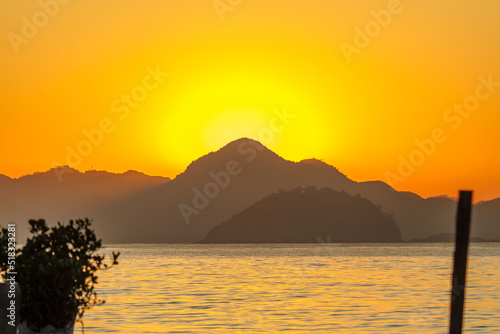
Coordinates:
x,y
315,288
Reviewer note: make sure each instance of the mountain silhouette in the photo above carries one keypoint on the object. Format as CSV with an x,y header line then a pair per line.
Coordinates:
x,y
257,171
486,219
180,212
306,216
211,190
45,195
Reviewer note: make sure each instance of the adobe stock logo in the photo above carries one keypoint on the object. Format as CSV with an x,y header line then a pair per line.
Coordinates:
x,y
121,107
373,28
31,26
453,117
223,6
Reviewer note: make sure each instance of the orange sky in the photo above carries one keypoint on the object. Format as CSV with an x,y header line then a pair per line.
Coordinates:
x,y
168,81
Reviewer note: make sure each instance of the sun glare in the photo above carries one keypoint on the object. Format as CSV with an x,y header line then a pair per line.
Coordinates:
x,y
227,106
232,124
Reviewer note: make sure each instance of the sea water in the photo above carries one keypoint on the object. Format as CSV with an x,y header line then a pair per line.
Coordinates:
x,y
293,288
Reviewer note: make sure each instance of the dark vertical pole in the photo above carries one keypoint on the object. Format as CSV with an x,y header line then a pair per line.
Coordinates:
x,y
460,262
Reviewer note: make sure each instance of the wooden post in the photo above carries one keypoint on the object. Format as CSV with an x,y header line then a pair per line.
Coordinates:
x,y
460,262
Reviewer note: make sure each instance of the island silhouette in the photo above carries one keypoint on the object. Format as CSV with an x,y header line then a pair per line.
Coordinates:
x,y
306,215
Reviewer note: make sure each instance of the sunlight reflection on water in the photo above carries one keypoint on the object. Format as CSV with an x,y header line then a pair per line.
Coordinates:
x,y
321,288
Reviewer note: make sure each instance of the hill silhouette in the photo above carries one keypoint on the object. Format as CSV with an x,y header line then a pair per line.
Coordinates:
x,y
306,216
211,190
260,172
486,219
75,194
177,213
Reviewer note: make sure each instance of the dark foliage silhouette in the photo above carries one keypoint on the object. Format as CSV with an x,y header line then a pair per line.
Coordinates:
x,y
56,272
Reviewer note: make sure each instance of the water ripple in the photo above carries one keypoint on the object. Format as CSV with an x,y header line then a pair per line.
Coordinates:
x,y
352,288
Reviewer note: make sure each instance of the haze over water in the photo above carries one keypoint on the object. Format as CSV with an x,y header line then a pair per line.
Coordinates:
x,y
301,288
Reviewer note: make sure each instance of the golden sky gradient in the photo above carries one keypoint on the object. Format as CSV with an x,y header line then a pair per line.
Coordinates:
x,y
164,82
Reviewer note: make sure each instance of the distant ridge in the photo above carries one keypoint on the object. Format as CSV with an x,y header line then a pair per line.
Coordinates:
x,y
450,237
183,210
260,172
66,170
55,193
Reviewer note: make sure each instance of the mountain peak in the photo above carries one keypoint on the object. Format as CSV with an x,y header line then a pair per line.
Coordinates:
x,y
242,140
55,172
64,168
316,162
242,148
